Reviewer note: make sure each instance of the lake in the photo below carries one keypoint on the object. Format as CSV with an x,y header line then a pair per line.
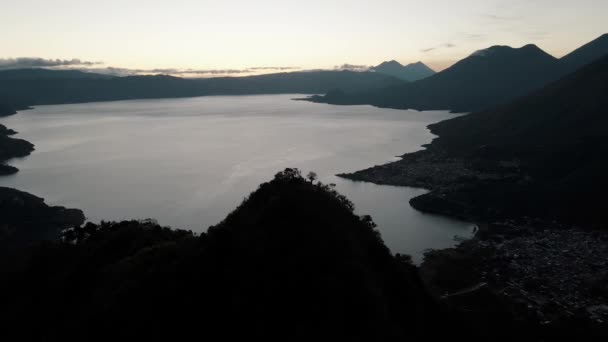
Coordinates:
x,y
189,162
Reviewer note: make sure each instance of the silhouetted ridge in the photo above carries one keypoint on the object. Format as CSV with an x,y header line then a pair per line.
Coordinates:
x,y
586,53
486,78
391,63
292,262
540,156
563,112
38,74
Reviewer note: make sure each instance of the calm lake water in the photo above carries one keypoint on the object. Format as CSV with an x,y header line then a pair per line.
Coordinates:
x,y
189,162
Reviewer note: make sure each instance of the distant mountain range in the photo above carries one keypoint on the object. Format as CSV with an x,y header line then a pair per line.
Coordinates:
x,y
486,78
40,74
26,87
411,72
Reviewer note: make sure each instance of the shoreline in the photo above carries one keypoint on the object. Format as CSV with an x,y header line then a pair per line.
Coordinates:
x,y
500,261
25,218
539,268
12,148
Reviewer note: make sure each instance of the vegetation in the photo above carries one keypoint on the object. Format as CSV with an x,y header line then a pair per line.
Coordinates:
x,y
292,262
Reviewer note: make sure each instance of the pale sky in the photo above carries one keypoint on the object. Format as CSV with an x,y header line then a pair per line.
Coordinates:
x,y
203,34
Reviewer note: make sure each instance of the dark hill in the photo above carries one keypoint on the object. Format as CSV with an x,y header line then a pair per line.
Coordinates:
x,y
292,262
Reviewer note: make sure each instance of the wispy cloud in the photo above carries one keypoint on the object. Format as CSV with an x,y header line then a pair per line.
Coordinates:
x,y
275,68
352,67
442,46
97,67
34,62
193,72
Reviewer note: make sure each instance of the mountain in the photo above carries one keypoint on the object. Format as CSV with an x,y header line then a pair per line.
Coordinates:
x,y
485,79
6,110
304,82
567,112
292,260
411,72
47,74
540,156
24,87
586,54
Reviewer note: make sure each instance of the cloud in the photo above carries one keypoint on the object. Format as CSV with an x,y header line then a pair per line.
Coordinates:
x,y
187,72
97,67
196,71
352,67
33,62
274,68
442,46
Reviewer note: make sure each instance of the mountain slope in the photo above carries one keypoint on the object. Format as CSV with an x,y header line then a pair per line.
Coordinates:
x,y
569,111
291,261
586,54
6,110
485,79
411,72
540,156
488,77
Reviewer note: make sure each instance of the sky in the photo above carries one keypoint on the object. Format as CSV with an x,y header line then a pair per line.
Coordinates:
x,y
234,36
